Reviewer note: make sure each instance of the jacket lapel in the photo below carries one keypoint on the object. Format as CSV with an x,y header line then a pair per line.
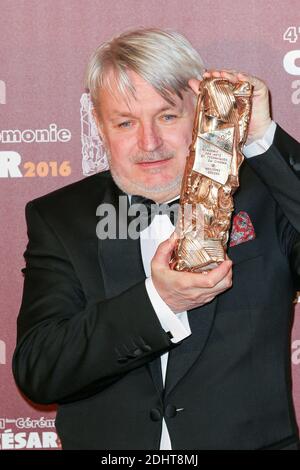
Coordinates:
x,y
121,264
120,259
182,357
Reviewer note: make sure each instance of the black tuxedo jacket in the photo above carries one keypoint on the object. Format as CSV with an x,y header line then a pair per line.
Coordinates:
x,y
89,339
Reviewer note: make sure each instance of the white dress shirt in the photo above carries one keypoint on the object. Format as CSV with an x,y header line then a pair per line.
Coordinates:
x,y
159,230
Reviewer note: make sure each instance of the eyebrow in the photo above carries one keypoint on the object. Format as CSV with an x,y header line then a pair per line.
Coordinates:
x,y
116,114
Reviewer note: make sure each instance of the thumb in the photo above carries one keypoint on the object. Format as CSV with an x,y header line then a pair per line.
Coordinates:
x,y
164,250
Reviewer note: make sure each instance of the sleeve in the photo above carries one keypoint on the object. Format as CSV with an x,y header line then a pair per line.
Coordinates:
x,y
260,146
279,168
168,319
68,349
289,240
295,262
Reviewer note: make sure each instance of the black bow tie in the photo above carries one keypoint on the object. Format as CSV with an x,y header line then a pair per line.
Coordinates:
x,y
149,209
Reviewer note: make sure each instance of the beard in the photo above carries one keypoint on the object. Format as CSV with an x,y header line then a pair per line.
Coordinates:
x,y
134,187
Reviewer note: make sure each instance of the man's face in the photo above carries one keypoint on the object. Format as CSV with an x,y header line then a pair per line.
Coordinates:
x,y
146,138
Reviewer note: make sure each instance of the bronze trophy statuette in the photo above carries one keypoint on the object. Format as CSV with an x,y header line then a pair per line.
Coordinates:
x,y
211,174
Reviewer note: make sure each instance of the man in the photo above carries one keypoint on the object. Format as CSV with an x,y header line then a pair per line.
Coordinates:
x,y
138,356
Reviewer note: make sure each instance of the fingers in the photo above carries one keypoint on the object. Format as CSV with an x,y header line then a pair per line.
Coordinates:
x,y
230,74
234,76
185,290
212,279
209,285
214,276
194,85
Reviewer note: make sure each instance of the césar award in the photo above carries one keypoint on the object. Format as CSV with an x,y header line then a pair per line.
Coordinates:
x,y
211,174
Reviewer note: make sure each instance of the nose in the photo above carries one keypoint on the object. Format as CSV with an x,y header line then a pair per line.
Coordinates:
x,y
149,138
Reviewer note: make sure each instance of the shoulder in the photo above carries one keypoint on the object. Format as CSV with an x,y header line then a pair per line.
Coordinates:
x,y
83,195
91,186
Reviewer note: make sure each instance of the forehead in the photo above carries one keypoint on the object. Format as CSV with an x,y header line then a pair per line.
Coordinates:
x,y
112,100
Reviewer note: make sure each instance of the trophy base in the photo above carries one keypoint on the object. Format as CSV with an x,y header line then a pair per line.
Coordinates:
x,y
194,255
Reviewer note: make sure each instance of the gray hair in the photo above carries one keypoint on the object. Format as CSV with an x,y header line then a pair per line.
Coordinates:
x,y
163,58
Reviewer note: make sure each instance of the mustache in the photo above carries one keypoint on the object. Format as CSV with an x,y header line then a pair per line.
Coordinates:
x,y
152,156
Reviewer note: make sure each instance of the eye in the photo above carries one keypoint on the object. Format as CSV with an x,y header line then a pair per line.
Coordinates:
x,y
169,117
125,124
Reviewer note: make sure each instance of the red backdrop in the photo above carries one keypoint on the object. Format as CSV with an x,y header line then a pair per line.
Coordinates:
x,y
45,45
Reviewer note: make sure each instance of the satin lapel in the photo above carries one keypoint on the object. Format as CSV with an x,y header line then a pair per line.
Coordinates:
x,y
120,259
186,353
121,265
